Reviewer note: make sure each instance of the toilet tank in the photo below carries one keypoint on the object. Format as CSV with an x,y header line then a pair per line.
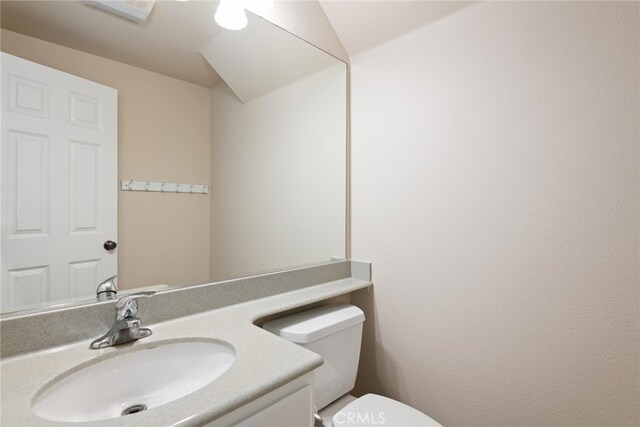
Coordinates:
x,y
334,332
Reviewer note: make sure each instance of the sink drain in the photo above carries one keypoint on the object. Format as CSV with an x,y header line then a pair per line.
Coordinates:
x,y
134,409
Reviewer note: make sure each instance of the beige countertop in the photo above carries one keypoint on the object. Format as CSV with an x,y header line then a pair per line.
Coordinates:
x,y
263,362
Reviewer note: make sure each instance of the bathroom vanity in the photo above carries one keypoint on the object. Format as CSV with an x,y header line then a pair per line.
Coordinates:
x,y
262,379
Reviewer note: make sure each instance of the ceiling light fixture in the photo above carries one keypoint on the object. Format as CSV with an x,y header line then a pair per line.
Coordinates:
x,y
231,13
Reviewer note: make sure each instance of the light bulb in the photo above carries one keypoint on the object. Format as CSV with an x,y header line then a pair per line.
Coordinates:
x,y
230,15
258,6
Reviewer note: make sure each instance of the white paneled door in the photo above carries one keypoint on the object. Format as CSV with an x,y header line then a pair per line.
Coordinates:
x,y
59,184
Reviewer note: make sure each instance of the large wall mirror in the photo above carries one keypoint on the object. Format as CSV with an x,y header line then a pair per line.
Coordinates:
x,y
170,152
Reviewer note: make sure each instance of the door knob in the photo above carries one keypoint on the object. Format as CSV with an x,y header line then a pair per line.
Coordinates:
x,y
110,245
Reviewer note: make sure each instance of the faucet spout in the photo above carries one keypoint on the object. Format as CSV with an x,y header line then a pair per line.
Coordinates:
x,y
107,290
127,326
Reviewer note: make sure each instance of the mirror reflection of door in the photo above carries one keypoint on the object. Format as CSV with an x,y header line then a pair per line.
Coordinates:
x,y
59,184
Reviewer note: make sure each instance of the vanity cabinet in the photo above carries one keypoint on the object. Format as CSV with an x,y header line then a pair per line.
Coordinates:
x,y
288,406
293,410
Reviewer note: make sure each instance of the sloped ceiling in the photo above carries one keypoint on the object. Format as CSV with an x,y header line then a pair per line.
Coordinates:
x,y
166,43
363,24
259,59
169,42
307,20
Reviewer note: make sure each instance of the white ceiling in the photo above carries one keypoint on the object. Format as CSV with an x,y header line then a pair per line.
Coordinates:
x,y
363,24
166,43
170,40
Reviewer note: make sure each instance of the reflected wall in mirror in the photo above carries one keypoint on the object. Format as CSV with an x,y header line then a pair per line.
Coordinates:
x,y
91,101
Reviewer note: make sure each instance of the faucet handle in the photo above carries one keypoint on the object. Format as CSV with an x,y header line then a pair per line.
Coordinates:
x,y
127,307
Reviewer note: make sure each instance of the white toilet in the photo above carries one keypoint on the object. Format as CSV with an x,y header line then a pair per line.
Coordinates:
x,y
335,333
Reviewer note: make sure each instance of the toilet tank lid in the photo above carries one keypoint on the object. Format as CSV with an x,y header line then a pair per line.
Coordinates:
x,y
309,326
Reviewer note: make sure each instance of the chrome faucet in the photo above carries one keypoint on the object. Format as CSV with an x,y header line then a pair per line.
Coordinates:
x,y
127,326
107,290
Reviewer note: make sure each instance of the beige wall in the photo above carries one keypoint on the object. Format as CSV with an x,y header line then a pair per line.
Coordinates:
x,y
279,167
495,189
164,134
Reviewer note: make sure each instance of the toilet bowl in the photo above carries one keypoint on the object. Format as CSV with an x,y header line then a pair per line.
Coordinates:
x,y
335,332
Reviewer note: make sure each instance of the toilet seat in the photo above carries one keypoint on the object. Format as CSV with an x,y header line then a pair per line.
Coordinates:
x,y
372,410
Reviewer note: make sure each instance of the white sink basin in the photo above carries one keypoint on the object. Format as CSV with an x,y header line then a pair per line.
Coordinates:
x,y
148,377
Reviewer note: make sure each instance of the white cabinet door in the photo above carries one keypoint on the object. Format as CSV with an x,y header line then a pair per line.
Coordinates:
x,y
58,178
288,406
